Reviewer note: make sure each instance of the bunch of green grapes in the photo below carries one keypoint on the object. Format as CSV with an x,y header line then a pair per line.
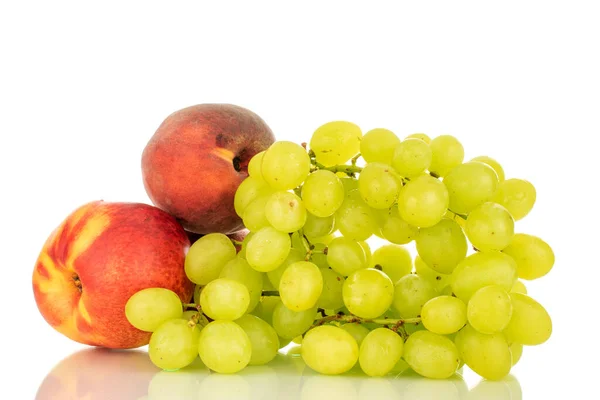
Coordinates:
x,y
307,273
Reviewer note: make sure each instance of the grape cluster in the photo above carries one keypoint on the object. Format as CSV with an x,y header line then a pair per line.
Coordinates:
x,y
305,272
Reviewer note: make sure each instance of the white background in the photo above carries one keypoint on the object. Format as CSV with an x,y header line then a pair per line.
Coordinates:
x,y
84,86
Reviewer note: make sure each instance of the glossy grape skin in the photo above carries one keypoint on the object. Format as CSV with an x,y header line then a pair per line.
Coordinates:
x,y
394,260
534,257
288,324
379,351
225,299
446,153
318,227
377,145
411,292
423,201
265,308
368,293
518,196
274,276
378,185
516,351
331,297
396,230
424,137
285,211
173,345
411,157
268,249
207,257
255,215
444,315
322,193
492,163
149,308
336,142
489,309
329,350
438,280
300,286
239,270
490,227
487,355
519,287
249,189
442,246
530,323
224,347
263,338
355,219
285,165
255,166
470,185
358,332
346,256
431,355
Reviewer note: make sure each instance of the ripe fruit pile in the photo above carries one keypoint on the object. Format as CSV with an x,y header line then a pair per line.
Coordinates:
x,y
306,273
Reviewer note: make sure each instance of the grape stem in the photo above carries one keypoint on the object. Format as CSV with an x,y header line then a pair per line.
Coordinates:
x,y
270,293
355,158
463,216
349,319
190,305
346,169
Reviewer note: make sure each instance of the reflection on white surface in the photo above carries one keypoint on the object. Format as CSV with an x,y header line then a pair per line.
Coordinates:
x,y
101,374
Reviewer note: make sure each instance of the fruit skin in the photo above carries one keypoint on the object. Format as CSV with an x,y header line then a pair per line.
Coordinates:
x,y
98,257
197,158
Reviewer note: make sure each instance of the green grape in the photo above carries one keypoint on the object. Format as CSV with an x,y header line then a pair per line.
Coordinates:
x,y
285,212
431,355
149,308
317,227
225,299
263,338
355,219
349,184
323,240
411,157
487,355
318,256
438,280
197,291
490,227
517,196
190,315
411,293
442,246
336,142
530,323
242,253
367,249
378,185
396,230
255,166
379,352
301,285
423,201
239,270
285,165
516,351
322,193
519,287
534,257
331,297
274,276
249,189
346,256
329,350
207,257
393,260
483,269
446,153
358,332
492,163
421,136
267,283
255,215
264,309
268,249
378,145
174,344
444,315
470,185
288,324
224,347
368,293
489,309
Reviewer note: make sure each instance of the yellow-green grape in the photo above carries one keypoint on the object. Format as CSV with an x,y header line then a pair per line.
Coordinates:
x,y
174,344
470,185
490,227
264,310
530,323
492,163
322,193
358,332
267,283
329,350
411,292
149,308
446,153
324,240
349,183
268,249
207,257
444,315
489,309
336,142
318,227
263,338
355,219
442,246
255,165
301,285
394,260
483,269
519,287
431,355
396,230
255,215
368,293
346,256
225,299
275,275
285,212
367,249
516,351
288,324
249,189
197,291
190,315
411,157
239,270
487,355
242,253
379,352
331,297
534,257
421,136
318,256
378,145
517,196
224,347
438,280
297,340
378,185
423,201
285,165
